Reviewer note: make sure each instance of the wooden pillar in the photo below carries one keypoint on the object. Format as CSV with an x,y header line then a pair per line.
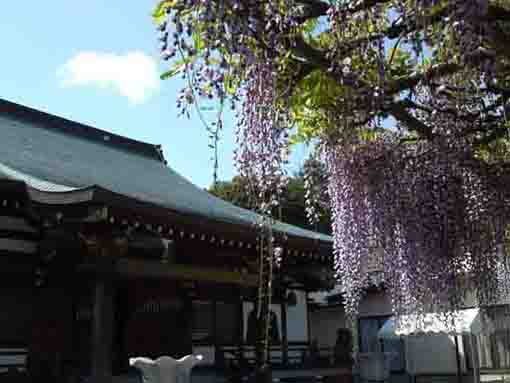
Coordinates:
x,y
218,357
121,320
102,330
74,327
187,316
240,332
285,342
308,320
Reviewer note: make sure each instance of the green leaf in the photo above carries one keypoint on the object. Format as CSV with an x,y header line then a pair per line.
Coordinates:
x,y
230,84
177,68
159,13
170,73
198,41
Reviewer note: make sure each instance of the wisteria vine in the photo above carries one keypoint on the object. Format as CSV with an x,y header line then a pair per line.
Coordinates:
x,y
424,190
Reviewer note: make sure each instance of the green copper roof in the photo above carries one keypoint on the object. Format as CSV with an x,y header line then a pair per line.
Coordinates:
x,y
56,155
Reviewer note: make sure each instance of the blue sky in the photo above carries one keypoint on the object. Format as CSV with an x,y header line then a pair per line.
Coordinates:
x,y
97,62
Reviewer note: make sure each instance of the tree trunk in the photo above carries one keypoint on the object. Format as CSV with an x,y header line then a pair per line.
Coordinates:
x,y
263,308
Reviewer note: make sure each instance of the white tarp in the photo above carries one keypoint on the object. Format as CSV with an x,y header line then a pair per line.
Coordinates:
x,y
429,342
469,321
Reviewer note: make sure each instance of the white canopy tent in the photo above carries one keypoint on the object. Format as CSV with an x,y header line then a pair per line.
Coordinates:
x,y
429,344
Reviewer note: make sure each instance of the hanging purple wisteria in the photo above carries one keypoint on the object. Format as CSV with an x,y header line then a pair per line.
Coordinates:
x,y
262,139
406,102
433,222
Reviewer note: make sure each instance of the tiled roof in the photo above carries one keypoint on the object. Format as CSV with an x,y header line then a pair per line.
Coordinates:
x,y
56,155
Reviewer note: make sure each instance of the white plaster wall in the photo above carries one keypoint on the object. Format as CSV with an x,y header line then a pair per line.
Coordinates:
x,y
297,319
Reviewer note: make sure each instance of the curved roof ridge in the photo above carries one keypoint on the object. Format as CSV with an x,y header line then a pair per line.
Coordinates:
x,y
35,182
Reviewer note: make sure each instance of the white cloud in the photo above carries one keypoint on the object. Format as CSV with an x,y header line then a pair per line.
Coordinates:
x,y
133,75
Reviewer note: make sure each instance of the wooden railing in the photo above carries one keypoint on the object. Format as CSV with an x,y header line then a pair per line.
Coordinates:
x,y
12,358
297,355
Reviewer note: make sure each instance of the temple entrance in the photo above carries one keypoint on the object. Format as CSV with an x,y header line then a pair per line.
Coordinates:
x,y
159,323
50,340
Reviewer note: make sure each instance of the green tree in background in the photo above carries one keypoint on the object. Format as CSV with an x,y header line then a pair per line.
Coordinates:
x,y
292,206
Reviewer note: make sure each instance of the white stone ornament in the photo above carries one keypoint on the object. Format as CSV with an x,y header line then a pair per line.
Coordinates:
x,y
166,369
148,368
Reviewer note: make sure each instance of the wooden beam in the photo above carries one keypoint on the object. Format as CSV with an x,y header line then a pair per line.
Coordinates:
x,y
138,268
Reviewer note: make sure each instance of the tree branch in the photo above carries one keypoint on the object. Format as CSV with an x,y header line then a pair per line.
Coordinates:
x,y
435,71
317,8
312,9
317,58
313,58
497,11
399,111
362,5
498,131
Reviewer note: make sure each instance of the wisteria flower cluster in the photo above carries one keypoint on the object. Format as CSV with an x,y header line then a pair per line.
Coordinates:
x,y
262,139
316,196
437,224
231,49
217,42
